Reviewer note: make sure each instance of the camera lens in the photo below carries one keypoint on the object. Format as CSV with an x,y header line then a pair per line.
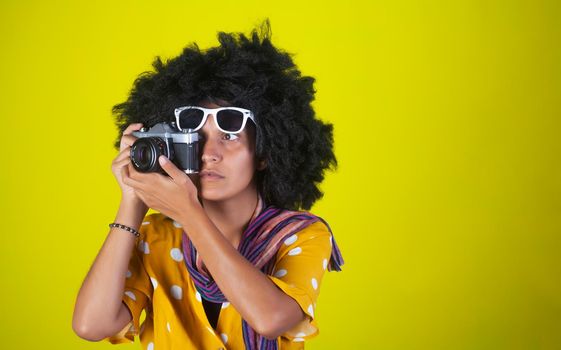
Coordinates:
x,y
145,153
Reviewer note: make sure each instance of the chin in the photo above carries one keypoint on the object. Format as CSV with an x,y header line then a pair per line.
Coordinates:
x,y
222,193
213,195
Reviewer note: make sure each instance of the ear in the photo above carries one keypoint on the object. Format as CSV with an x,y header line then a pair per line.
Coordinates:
x,y
262,164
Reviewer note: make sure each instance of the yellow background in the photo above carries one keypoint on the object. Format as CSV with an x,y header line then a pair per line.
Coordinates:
x,y
446,204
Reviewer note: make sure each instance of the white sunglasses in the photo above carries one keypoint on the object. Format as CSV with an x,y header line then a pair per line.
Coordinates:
x,y
230,120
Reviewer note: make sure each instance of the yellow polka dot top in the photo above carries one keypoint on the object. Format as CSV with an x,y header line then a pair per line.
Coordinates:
x,y
158,282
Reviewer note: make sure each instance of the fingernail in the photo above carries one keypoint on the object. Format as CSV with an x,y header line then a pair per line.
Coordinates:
x,y
163,160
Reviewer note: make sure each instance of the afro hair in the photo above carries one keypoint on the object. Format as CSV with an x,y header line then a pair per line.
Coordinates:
x,y
250,73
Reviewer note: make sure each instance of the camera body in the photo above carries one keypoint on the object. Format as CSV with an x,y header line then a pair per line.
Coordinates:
x,y
182,148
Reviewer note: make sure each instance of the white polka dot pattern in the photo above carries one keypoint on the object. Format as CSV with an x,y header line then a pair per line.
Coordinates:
x,y
295,251
130,295
299,266
176,292
291,239
176,254
143,247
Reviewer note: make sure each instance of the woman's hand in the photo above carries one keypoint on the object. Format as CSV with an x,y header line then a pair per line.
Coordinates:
x,y
122,160
172,195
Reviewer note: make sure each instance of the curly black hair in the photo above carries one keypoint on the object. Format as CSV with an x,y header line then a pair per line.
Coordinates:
x,y
250,73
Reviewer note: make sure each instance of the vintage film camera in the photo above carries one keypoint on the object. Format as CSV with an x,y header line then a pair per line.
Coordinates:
x,y
180,147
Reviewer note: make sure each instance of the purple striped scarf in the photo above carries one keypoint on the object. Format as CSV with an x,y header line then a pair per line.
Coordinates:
x,y
267,230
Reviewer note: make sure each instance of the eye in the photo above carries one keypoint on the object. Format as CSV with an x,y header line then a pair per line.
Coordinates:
x,y
230,137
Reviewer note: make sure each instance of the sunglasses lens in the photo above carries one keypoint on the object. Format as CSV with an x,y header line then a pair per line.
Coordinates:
x,y
190,118
230,120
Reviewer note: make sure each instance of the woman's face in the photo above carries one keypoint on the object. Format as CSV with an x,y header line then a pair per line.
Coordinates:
x,y
228,162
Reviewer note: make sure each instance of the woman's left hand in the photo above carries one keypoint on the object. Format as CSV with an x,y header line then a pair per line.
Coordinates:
x,y
173,196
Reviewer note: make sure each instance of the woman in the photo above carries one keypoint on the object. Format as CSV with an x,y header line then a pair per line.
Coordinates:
x,y
229,261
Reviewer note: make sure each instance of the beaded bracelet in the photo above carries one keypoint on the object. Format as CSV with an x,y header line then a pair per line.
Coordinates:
x,y
126,228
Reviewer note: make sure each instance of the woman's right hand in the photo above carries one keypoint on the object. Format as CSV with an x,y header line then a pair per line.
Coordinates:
x,y
121,162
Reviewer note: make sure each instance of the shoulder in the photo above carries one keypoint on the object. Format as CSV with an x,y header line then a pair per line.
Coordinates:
x,y
317,229
314,238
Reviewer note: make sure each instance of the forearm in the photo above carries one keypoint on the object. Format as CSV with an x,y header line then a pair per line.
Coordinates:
x,y
259,301
100,297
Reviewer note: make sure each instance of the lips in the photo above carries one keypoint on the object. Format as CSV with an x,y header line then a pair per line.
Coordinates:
x,y
210,174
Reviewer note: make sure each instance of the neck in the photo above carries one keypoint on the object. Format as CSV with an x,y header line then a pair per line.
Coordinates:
x,y
231,216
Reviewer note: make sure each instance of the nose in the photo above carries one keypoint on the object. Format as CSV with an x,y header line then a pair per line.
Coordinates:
x,y
210,150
